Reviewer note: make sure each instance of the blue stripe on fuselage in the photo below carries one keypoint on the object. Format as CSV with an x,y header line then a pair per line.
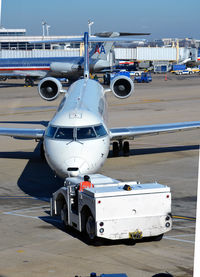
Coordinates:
x,y
20,62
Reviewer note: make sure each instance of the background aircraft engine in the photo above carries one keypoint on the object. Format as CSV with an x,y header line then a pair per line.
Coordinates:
x,y
49,88
61,67
122,86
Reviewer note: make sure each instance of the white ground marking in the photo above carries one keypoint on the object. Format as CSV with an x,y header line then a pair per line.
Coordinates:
x,y
181,240
185,227
32,209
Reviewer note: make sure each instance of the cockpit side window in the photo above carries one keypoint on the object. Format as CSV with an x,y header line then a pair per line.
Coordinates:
x,y
85,133
51,131
100,131
64,133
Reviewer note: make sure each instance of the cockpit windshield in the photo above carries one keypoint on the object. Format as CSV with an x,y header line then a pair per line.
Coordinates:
x,y
100,131
85,133
50,132
64,133
76,133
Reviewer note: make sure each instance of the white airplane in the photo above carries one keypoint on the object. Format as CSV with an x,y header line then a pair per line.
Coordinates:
x,y
77,139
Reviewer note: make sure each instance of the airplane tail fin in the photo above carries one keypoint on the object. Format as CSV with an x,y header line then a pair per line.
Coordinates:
x,y
101,50
104,49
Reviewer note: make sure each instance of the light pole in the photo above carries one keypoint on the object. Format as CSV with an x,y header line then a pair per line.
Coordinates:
x,y
90,23
0,12
43,28
47,29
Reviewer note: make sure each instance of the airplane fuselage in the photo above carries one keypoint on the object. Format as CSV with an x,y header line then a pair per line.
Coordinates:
x,y
67,67
77,140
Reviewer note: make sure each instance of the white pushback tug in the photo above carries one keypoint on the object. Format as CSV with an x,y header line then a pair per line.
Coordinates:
x,y
113,209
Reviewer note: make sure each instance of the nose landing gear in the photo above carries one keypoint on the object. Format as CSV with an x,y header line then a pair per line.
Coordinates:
x,y
118,146
42,155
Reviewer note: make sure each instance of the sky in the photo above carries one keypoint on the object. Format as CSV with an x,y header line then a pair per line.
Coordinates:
x,y
162,18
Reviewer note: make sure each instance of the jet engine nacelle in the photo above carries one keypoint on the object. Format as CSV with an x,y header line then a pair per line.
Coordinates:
x,y
49,88
62,67
122,86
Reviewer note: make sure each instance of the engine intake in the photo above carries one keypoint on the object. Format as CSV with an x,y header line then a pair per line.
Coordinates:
x,y
49,88
122,86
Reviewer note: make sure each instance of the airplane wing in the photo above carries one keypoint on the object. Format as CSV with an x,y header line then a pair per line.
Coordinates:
x,y
22,133
146,130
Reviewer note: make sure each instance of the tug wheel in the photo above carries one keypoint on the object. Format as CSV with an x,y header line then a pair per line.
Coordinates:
x,y
64,215
90,228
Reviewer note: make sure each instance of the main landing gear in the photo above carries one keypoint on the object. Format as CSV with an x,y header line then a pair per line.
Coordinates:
x,y
29,82
118,146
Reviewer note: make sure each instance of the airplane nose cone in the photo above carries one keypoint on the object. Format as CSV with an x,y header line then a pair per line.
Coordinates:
x,y
76,166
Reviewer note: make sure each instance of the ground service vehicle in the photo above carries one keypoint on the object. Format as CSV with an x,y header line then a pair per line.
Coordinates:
x,y
113,209
184,72
108,77
136,73
144,78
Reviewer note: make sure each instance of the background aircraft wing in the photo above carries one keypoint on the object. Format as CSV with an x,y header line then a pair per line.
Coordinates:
x,y
146,130
119,34
22,133
90,39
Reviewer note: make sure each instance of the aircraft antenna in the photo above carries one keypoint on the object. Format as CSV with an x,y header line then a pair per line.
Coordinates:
x,y
86,56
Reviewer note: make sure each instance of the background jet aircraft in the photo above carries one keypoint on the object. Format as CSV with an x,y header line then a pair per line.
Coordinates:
x,y
71,68
32,69
79,126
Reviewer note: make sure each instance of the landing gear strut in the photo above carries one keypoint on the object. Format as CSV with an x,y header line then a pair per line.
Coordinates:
x,y
118,146
29,82
42,155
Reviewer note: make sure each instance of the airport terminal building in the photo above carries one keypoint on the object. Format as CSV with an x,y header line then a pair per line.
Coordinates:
x,y
16,39
14,43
